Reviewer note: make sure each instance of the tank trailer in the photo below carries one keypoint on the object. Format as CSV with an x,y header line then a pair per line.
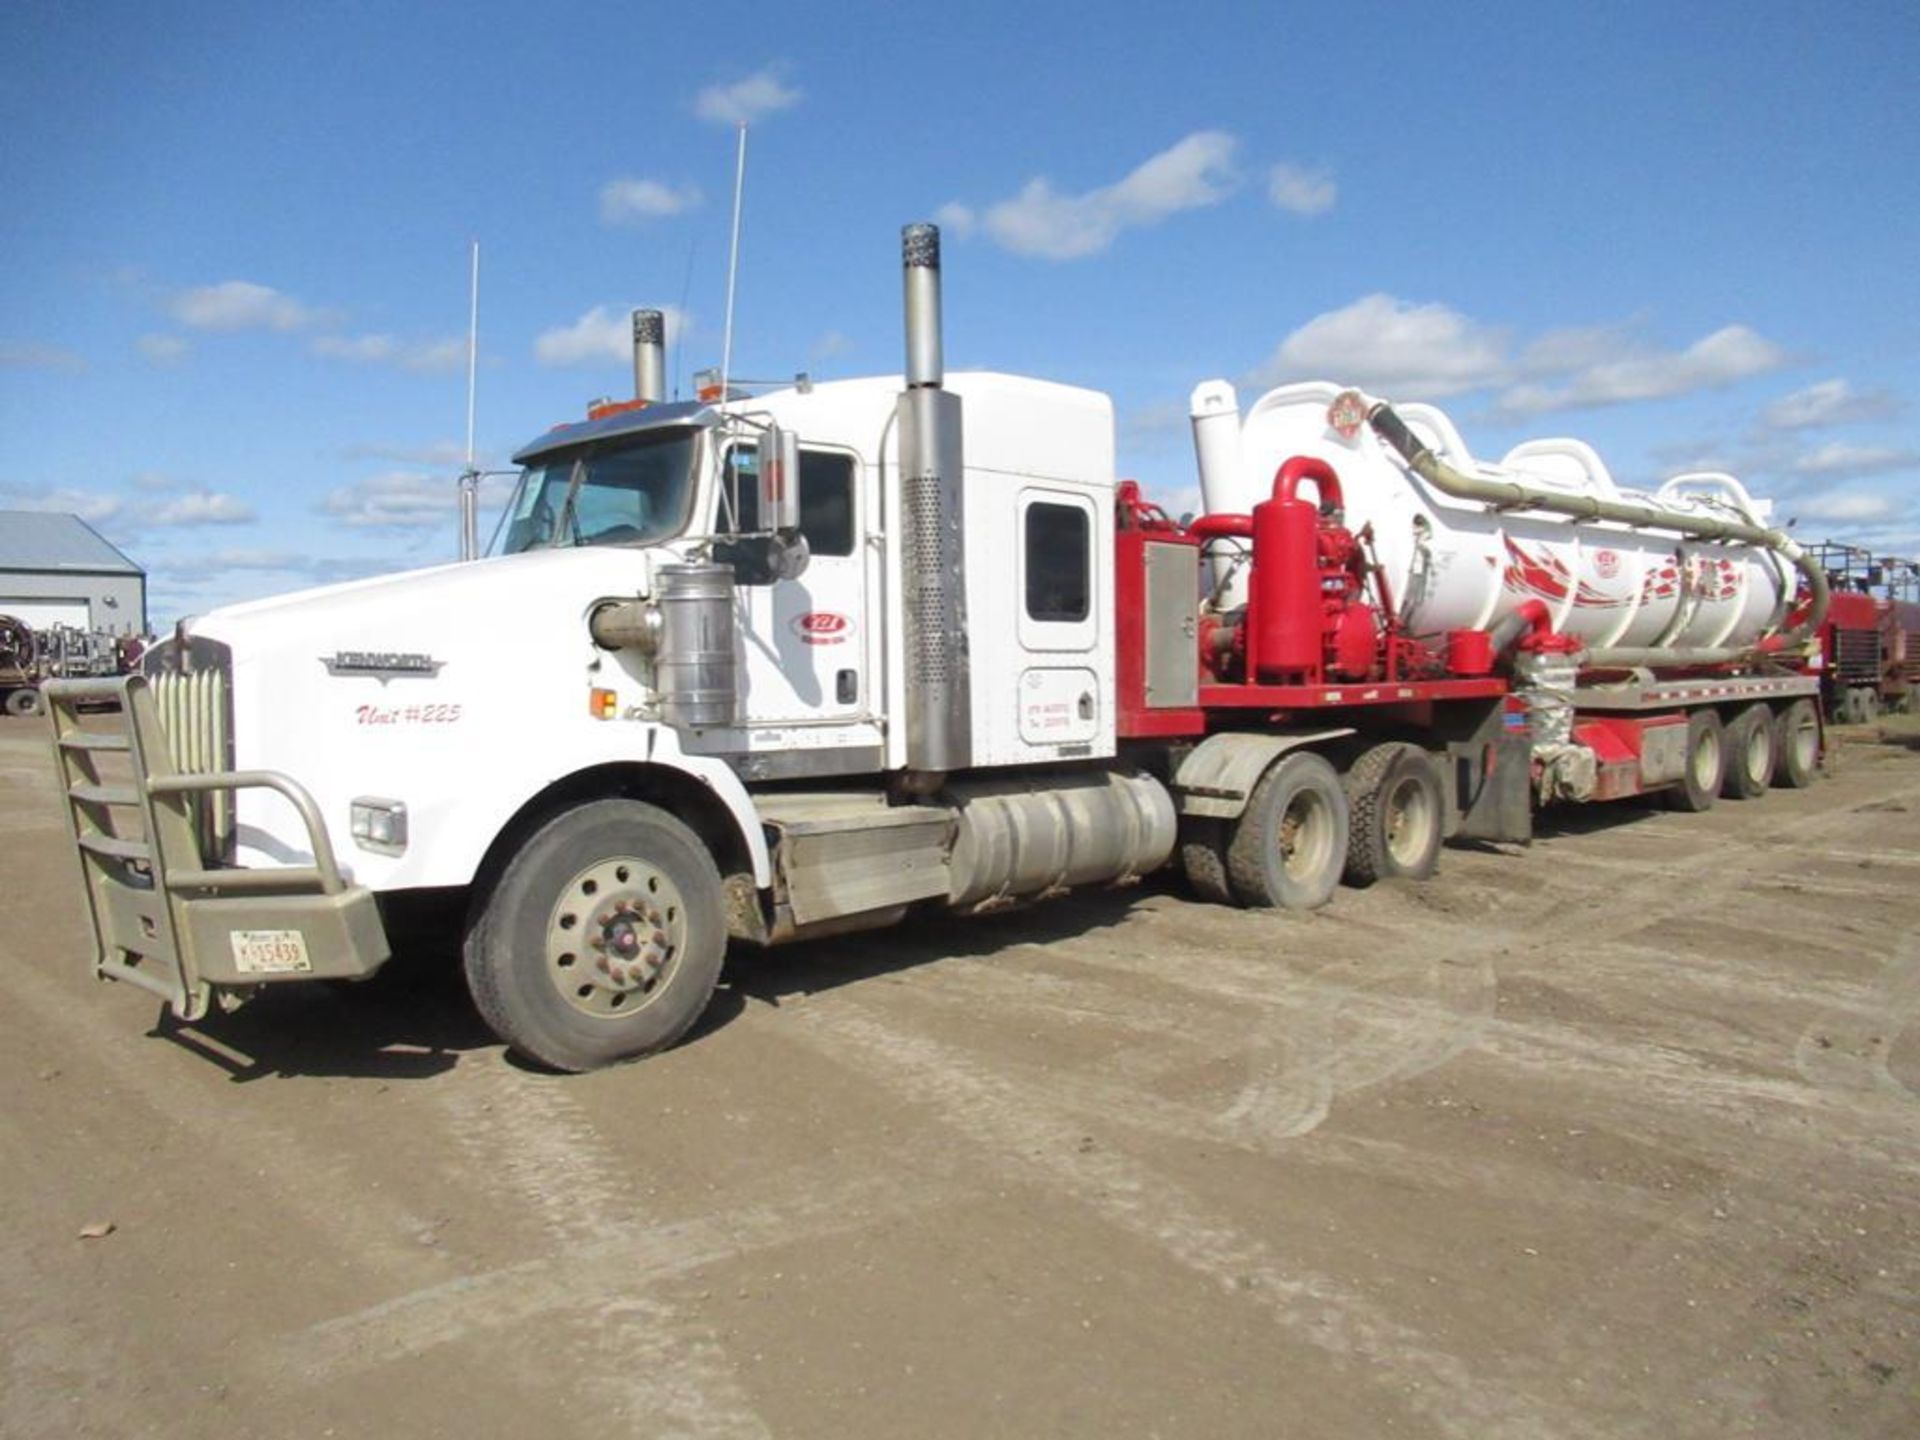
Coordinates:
x,y
815,660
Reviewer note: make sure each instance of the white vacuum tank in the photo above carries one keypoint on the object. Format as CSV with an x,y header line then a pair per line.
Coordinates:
x,y
1455,564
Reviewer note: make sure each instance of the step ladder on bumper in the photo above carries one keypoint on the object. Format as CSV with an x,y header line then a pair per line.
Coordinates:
x,y
167,916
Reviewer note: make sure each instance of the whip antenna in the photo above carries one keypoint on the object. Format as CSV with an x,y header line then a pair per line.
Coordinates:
x,y
733,263
470,478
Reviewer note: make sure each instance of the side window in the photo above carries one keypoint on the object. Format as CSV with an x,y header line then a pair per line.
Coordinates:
x,y
826,505
826,501
1059,568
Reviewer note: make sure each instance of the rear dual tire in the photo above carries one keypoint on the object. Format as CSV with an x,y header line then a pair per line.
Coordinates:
x,y
1753,753
1706,764
1396,814
1797,743
1290,844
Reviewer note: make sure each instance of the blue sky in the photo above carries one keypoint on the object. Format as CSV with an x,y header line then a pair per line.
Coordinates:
x,y
234,294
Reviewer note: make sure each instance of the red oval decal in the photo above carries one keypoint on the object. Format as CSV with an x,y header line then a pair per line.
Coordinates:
x,y
822,627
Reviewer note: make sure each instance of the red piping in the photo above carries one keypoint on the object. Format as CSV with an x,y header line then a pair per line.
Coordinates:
x,y
1216,527
1305,467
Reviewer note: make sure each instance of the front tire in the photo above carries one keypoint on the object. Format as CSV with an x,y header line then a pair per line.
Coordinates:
x,y
23,702
1290,844
601,940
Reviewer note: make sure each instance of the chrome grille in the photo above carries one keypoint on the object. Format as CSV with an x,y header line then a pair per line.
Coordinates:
x,y
196,712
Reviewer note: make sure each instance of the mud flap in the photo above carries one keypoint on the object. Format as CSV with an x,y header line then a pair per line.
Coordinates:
x,y
1492,787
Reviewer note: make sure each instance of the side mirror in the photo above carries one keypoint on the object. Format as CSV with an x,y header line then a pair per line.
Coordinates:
x,y
779,480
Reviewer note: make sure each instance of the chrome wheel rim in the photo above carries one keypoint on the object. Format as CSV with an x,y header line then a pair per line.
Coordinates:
x,y
1306,836
1409,821
614,937
1706,760
1806,742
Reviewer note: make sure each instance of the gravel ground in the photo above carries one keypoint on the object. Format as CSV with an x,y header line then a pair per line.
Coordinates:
x,y
1613,1135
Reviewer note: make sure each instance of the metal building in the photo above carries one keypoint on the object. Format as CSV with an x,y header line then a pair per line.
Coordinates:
x,y
57,570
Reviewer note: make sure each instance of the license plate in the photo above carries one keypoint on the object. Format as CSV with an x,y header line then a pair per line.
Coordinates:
x,y
269,952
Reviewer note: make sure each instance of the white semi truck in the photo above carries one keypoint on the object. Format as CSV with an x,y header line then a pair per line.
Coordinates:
x,y
762,668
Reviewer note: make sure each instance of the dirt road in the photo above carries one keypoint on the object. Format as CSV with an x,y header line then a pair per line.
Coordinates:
x,y
1612,1136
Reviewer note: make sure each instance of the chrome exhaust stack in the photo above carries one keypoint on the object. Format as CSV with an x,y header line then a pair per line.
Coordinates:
x,y
649,356
939,725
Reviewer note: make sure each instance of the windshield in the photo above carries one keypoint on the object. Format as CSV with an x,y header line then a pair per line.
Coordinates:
x,y
632,490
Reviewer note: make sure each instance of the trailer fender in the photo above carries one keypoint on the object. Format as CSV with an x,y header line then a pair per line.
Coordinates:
x,y
1220,772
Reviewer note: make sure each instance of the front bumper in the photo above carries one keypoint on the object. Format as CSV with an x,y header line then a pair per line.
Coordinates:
x,y
167,916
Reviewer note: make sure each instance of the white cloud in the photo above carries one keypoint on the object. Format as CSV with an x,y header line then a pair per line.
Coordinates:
x,y
1728,355
426,357
828,346
1193,173
1836,458
408,500
603,334
89,505
745,102
1300,191
240,305
398,499
1850,506
199,507
1575,347
1392,347
956,219
1831,402
625,201
1429,351
235,558
29,356
163,349
129,515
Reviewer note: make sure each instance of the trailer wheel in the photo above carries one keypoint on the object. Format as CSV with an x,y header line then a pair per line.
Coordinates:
x,y
1797,733
1753,749
23,702
1706,763
1290,844
602,939
1395,815
1203,855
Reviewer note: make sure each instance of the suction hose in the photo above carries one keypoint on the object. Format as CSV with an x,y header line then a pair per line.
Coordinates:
x,y
1514,495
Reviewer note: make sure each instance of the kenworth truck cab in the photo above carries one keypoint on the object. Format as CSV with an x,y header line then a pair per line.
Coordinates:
x,y
720,677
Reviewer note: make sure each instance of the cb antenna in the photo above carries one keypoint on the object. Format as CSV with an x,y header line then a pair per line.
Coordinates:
x,y
733,262
470,477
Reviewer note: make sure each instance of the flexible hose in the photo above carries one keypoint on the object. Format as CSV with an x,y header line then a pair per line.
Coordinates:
x,y
1515,495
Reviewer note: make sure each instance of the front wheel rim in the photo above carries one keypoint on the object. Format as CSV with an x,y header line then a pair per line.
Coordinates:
x,y
615,936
